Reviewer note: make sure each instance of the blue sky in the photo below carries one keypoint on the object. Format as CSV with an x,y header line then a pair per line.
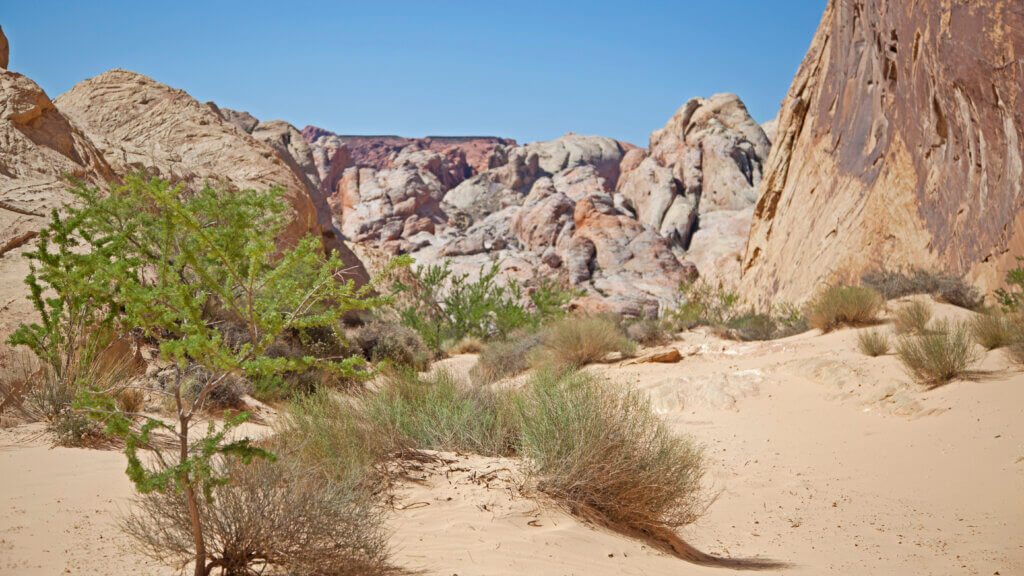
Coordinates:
x,y
521,69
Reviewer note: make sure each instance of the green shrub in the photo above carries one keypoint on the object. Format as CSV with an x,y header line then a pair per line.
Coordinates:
x,y
992,329
751,326
704,305
913,317
603,453
504,358
939,355
393,342
873,342
447,307
1012,297
841,305
578,341
899,283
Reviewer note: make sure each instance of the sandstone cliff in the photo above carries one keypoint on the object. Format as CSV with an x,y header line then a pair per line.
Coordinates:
x,y
139,123
901,142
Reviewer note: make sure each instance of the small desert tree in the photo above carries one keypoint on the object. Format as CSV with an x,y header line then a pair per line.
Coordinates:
x,y
201,274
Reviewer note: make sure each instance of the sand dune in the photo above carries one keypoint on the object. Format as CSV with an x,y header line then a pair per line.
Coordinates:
x,y
821,458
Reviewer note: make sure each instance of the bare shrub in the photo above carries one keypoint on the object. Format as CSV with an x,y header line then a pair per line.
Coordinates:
x,y
501,358
393,342
938,355
20,374
468,345
605,454
841,305
647,332
912,318
898,283
270,516
873,342
578,341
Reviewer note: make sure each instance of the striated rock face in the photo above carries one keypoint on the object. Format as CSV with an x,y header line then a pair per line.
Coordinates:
x,y
39,146
247,122
901,142
379,152
139,123
288,142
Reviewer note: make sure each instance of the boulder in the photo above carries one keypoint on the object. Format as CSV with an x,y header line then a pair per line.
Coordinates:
x,y
900,143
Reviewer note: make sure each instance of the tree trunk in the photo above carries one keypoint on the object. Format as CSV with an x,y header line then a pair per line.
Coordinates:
x,y
190,491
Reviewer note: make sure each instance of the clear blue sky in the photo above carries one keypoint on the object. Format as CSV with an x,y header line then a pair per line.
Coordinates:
x,y
530,70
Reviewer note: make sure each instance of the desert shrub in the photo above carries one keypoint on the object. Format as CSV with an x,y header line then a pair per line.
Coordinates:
x,y
578,341
704,305
604,453
504,358
1015,345
992,329
394,343
76,429
899,283
750,326
437,412
468,345
1012,297
447,307
913,317
647,331
938,355
226,395
271,516
873,342
840,305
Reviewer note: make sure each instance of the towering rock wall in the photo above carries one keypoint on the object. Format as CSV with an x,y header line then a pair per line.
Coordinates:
x,y
900,143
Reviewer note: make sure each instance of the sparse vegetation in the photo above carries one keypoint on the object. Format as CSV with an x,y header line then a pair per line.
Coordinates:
x,y
899,283
913,317
992,329
873,342
647,331
704,305
504,358
446,307
394,343
604,453
938,355
578,341
842,305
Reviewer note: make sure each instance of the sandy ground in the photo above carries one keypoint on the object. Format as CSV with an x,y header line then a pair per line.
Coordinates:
x,y
821,458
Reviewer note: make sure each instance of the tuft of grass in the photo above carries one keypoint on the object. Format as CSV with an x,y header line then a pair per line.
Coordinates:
x,y
913,318
468,345
992,329
504,358
438,412
578,341
938,355
841,305
898,283
603,453
873,342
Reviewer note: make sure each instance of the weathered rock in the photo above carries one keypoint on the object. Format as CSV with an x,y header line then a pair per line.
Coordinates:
x,y
661,355
568,152
247,122
900,143
288,141
770,128
544,214
39,146
139,123
5,49
376,206
649,191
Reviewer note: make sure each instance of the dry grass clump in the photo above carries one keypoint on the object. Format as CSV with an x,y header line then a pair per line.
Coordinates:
x,y
841,305
438,412
19,376
468,345
578,341
992,329
271,516
898,283
605,454
504,358
938,355
873,342
647,332
912,318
